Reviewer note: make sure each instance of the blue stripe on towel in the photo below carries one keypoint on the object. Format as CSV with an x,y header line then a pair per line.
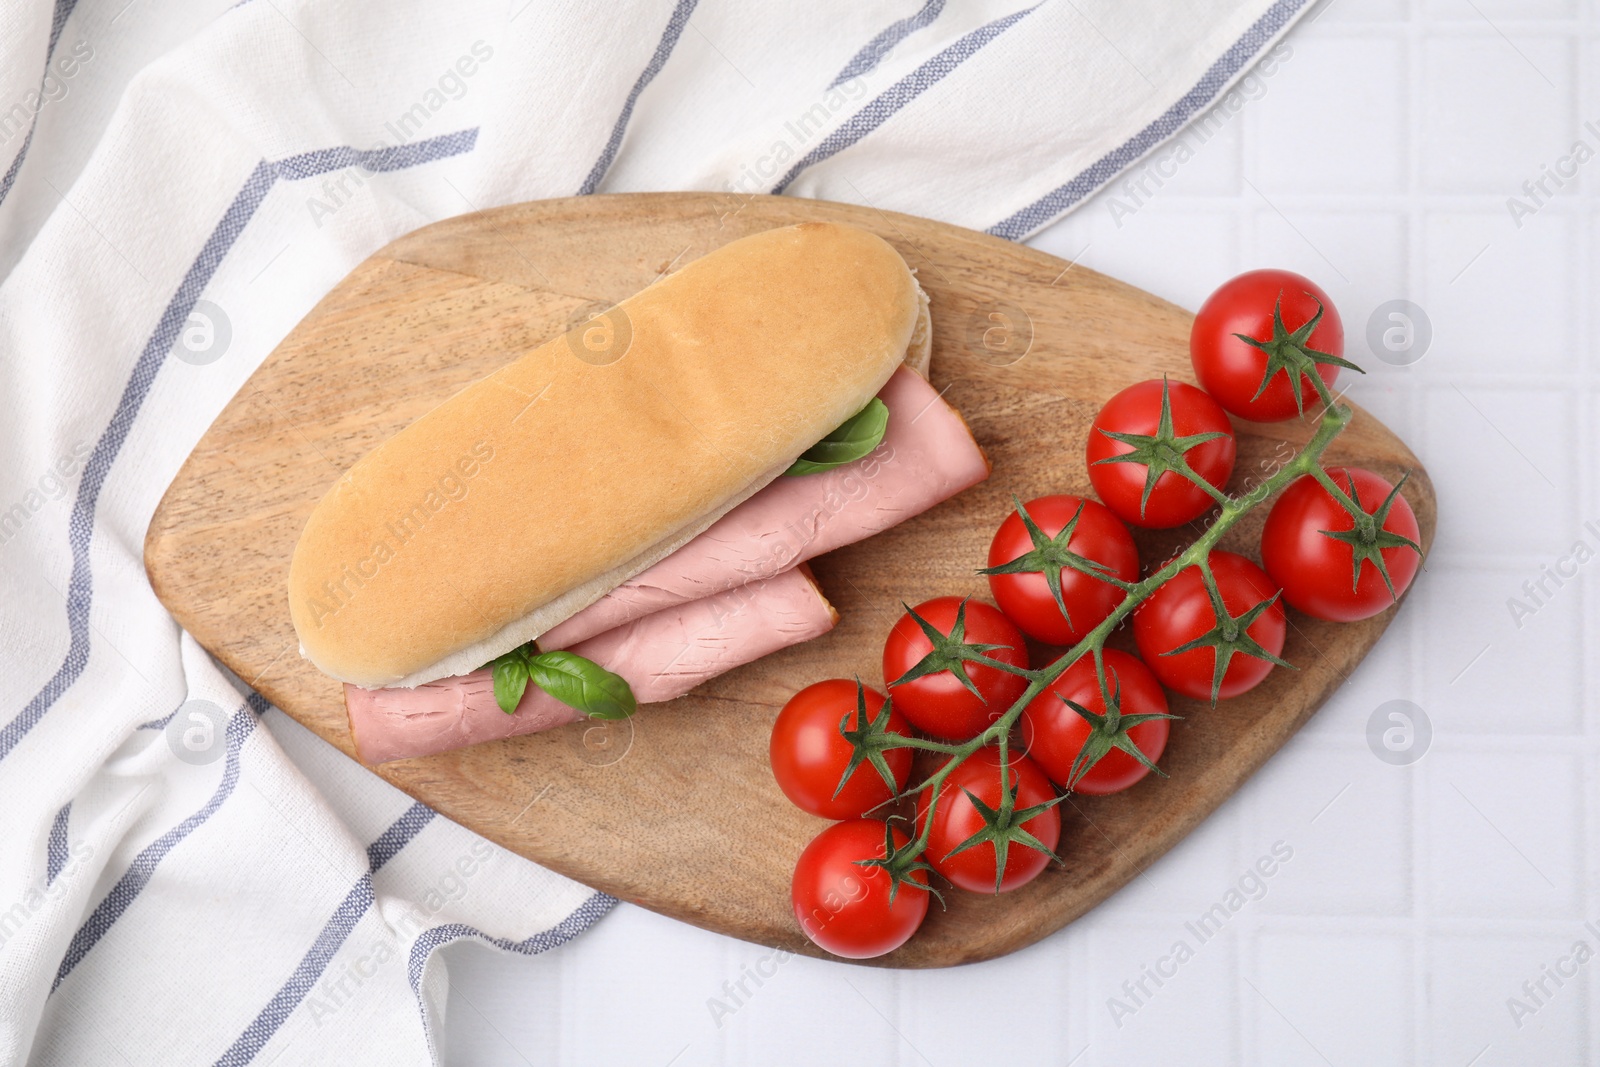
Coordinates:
x,y
138,874
334,933
397,836
664,47
282,1005
55,849
81,525
1175,118
394,157
161,723
873,51
587,914
901,93
80,592
58,22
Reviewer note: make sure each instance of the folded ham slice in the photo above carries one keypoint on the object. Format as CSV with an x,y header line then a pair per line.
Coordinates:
x,y
662,656
731,595
928,455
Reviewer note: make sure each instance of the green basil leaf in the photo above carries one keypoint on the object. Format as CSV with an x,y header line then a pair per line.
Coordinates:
x,y
510,679
582,684
856,437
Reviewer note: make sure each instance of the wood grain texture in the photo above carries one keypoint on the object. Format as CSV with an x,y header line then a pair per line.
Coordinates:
x,y
676,809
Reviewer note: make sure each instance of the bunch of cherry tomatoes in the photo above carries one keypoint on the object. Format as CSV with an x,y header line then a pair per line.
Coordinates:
x,y
1338,544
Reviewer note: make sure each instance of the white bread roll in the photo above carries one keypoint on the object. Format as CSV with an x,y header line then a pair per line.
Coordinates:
x,y
533,492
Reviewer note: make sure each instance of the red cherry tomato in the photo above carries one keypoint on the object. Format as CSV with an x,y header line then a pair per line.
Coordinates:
x,y
1054,733
1231,369
938,703
1175,499
1026,598
844,907
809,754
1317,572
955,819
1180,611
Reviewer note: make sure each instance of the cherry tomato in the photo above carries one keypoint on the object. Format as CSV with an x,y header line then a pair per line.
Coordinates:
x,y
1317,572
809,754
938,703
1025,597
844,907
1180,611
1174,499
1232,369
1054,733
955,819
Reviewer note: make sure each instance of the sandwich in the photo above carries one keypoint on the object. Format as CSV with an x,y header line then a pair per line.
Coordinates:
x,y
626,510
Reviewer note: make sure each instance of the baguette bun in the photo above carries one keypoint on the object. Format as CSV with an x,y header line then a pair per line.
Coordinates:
x,y
536,490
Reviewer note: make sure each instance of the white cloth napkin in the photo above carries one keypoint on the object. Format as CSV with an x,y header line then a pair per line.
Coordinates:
x,y
187,876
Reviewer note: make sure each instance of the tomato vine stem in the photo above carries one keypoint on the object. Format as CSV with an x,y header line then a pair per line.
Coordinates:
x,y
1307,461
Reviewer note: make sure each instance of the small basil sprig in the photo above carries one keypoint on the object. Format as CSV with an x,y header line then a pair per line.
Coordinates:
x,y
858,435
567,676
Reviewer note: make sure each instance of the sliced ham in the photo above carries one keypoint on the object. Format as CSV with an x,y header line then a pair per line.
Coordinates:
x,y
928,455
662,655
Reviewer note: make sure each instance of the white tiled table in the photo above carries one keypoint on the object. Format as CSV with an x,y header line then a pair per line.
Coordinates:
x,y
1377,158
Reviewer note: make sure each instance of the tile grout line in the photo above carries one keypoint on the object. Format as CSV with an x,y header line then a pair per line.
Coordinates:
x,y
1417,838
1247,944
728,963
1587,504
1081,964
1480,924
1244,1010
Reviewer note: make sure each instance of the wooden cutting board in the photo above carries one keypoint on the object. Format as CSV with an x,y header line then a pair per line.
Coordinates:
x,y
676,809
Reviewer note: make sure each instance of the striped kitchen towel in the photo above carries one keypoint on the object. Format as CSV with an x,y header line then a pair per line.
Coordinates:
x,y
186,875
